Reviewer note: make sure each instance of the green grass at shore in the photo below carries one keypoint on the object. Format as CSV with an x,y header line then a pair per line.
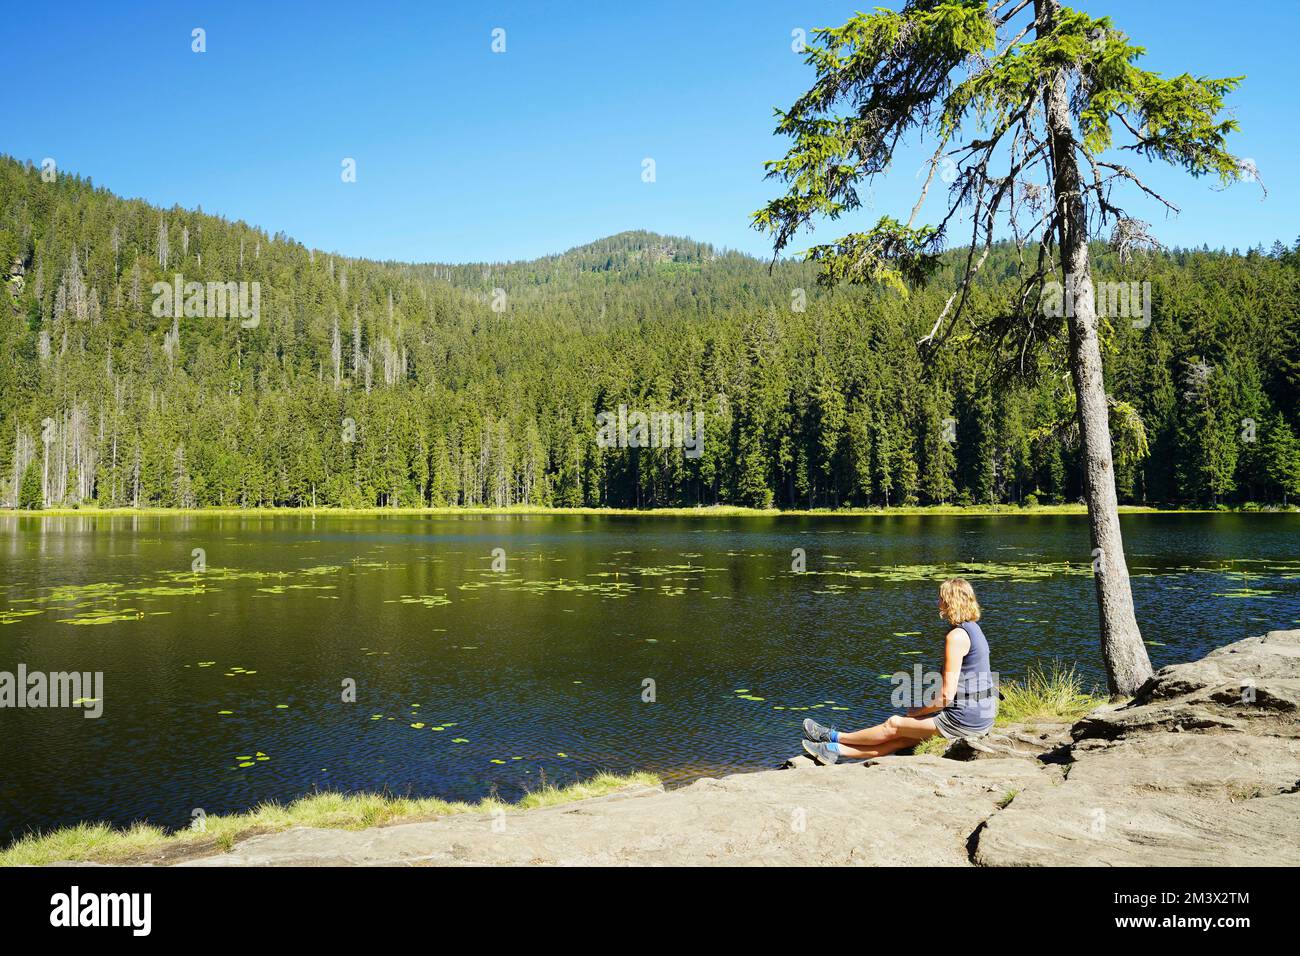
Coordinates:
x,y
711,511
1054,694
101,843
935,746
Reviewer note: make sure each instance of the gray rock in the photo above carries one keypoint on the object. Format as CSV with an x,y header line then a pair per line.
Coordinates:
x,y
904,811
1169,799
797,761
1193,772
1250,686
1043,742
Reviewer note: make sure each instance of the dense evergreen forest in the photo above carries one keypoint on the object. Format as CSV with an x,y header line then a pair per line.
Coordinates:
x,y
388,384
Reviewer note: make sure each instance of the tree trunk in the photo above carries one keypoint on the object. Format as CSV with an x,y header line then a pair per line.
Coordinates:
x,y
1127,664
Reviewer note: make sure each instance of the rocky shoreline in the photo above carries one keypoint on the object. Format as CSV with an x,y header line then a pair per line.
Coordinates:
x,y
1202,768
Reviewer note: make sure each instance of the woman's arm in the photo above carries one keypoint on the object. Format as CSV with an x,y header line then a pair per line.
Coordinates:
x,y
954,650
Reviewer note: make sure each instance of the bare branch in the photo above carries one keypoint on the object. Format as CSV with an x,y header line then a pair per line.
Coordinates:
x,y
1128,174
934,163
1010,13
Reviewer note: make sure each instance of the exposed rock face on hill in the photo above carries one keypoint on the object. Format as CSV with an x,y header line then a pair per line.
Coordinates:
x,y
1201,768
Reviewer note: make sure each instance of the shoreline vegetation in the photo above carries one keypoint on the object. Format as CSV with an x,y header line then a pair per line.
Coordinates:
x,y
146,843
1046,694
700,511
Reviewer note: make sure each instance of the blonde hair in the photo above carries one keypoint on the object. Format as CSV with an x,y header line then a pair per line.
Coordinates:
x,y
959,604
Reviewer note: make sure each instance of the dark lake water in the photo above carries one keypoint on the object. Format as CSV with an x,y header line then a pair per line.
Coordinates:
x,y
536,673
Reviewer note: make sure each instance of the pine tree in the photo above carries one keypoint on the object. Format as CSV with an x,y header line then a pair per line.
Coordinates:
x,y
940,461
1281,455
1060,86
29,492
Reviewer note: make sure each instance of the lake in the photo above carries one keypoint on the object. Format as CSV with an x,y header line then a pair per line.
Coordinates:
x,y
224,687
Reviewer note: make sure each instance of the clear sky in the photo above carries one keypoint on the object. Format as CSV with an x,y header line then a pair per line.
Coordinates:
x,y
463,154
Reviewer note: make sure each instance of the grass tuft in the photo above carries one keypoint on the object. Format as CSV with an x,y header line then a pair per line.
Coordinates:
x,y
598,786
1055,695
936,745
142,842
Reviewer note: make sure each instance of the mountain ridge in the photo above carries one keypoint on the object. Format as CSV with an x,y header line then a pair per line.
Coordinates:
x,y
625,240
360,383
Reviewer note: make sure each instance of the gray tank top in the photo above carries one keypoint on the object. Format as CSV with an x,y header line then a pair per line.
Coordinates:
x,y
976,703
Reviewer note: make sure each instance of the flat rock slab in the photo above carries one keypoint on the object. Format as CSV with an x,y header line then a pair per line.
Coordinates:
x,y
1201,769
901,811
1173,799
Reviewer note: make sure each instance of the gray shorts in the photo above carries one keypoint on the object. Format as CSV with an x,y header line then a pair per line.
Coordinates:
x,y
950,730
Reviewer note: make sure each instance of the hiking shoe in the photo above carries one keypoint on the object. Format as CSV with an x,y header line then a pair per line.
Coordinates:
x,y
820,752
816,732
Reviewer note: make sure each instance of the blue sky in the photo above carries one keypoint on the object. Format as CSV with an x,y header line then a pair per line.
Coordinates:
x,y
467,155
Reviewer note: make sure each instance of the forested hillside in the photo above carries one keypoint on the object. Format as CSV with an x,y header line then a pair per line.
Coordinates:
x,y
390,384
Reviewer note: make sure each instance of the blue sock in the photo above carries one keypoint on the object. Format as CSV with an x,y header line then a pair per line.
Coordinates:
x,y
833,747
835,736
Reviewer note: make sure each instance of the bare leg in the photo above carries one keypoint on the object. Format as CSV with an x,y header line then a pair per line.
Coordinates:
x,y
876,750
909,728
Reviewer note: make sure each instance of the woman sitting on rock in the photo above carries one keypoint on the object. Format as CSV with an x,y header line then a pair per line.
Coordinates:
x,y
968,698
